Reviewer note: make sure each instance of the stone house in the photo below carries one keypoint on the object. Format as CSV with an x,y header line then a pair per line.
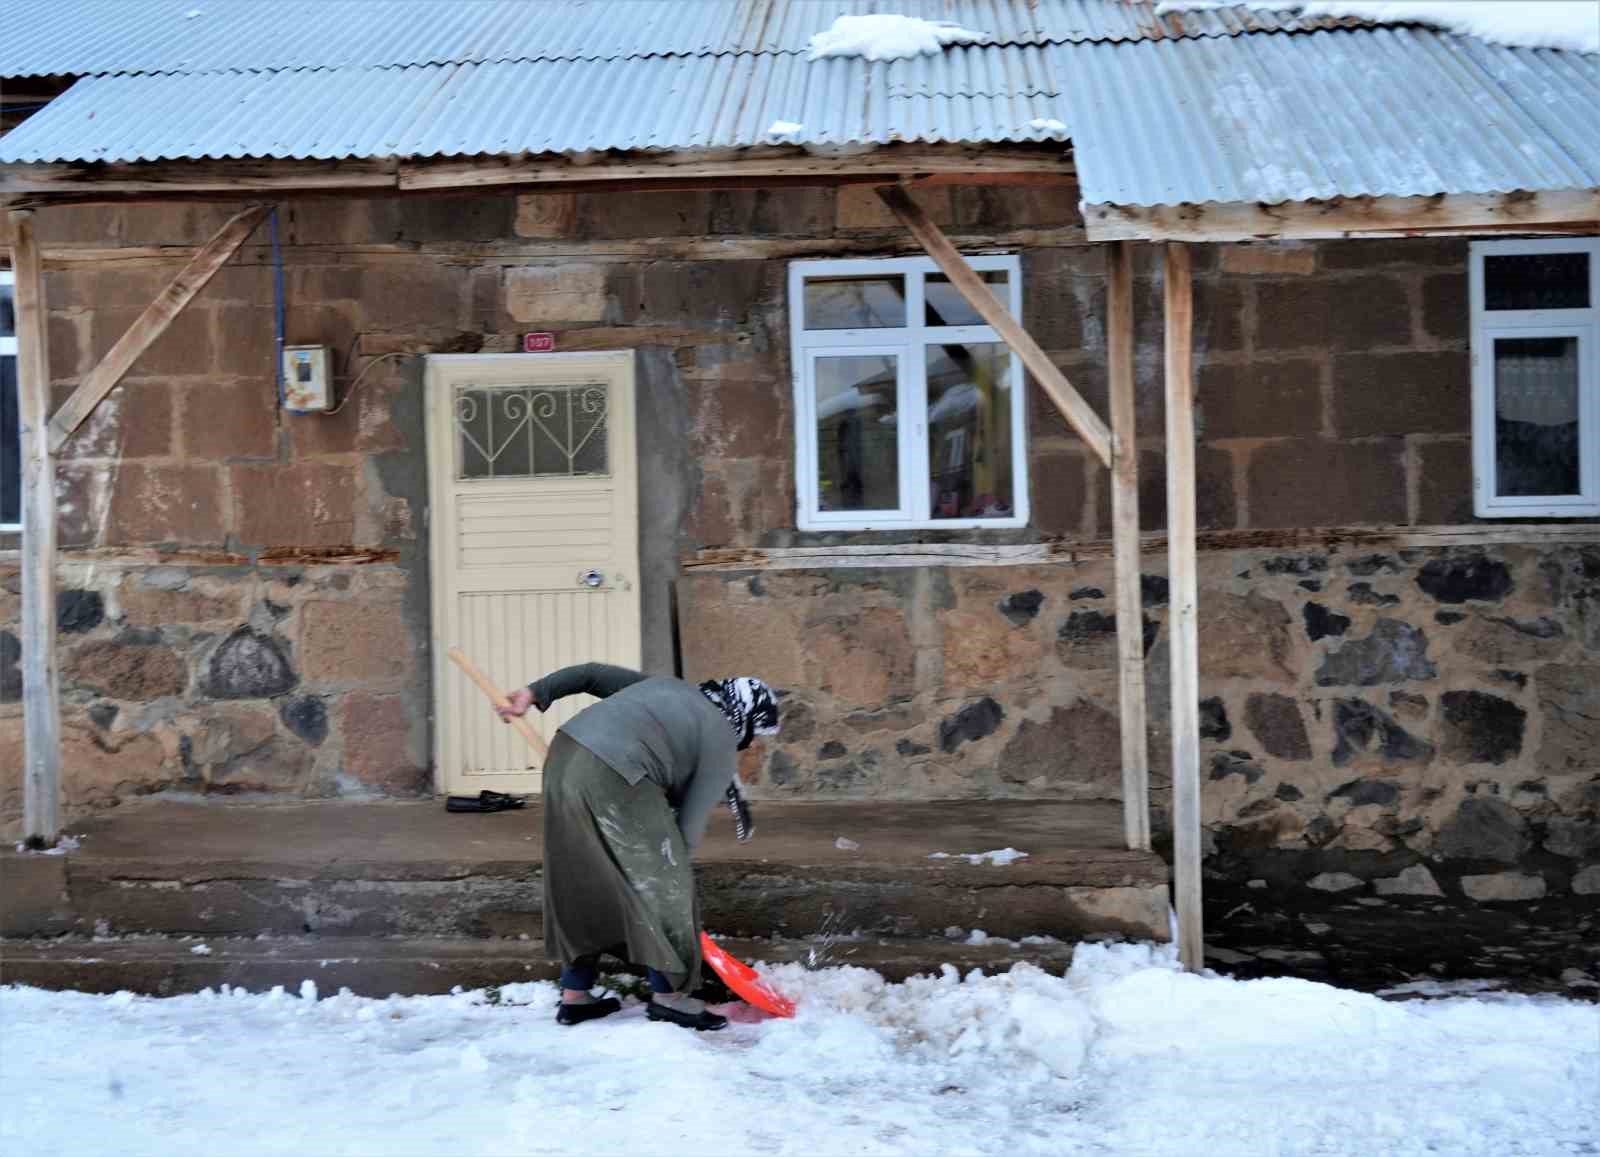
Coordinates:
x,y
819,465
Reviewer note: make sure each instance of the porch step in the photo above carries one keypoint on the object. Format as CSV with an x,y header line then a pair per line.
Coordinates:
x,y
168,966
334,870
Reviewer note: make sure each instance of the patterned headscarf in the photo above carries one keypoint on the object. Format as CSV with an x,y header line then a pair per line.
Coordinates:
x,y
752,710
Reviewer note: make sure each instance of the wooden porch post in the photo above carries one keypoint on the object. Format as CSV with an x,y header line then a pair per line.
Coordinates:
x,y
1125,549
41,707
1183,624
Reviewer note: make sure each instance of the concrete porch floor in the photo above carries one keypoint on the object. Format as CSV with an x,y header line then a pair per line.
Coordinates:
x,y
405,896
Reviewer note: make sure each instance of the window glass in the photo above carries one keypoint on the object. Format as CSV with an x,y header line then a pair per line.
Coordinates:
x,y
1536,281
944,305
8,314
531,431
858,460
855,302
1536,416
970,397
10,445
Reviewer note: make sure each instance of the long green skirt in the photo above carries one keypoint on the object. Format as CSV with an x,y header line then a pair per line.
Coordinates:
x,y
617,878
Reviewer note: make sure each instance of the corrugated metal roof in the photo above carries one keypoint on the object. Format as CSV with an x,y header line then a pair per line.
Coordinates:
x,y
1374,112
79,37
972,94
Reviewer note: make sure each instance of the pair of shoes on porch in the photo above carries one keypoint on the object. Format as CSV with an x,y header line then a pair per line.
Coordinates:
x,y
591,1009
484,801
675,1008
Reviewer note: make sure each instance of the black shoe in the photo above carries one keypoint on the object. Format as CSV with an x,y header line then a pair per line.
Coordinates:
x,y
590,1010
705,1021
484,801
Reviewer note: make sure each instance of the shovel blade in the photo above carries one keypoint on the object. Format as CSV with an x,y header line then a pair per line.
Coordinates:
x,y
744,980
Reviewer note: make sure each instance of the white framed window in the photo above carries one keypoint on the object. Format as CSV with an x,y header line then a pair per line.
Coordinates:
x,y
910,412
10,431
1536,378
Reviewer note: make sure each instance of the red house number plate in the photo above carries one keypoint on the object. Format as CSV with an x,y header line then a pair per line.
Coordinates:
x,y
538,343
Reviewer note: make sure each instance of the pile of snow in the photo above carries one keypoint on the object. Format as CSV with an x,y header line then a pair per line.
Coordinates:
x,y
1125,1056
1000,856
887,37
1570,24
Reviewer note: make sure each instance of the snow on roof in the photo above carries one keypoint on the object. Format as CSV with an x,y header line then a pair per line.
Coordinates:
x,y
1573,25
885,36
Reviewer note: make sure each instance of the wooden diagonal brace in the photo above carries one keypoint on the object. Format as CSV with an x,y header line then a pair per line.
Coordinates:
x,y
1078,413
153,322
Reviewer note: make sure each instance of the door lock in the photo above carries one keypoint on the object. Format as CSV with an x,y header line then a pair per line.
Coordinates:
x,y
592,578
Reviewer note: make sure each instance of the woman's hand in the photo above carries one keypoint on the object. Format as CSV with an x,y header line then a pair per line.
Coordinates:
x,y
517,703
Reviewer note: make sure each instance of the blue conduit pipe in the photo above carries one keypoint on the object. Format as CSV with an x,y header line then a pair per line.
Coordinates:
x,y
277,298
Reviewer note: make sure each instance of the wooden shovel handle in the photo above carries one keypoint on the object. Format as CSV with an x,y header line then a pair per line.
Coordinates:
x,y
499,700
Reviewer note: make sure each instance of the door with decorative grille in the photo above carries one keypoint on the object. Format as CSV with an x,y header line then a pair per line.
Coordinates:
x,y
534,535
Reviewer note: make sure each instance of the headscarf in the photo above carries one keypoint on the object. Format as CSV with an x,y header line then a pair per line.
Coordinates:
x,y
751,710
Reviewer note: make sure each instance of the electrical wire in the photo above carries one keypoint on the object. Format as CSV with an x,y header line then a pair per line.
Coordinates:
x,y
356,384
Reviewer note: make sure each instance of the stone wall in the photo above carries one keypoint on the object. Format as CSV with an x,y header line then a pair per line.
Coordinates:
x,y
205,530
1431,712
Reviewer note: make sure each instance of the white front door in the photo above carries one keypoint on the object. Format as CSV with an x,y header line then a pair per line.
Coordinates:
x,y
532,466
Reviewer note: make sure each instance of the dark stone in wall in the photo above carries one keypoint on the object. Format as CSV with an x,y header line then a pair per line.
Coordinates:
x,y
1394,652
1226,763
1153,590
1321,622
1295,564
971,723
1364,792
1362,594
1022,606
1448,618
1288,793
1371,564
103,715
908,748
1321,831
307,717
1086,593
1505,675
1310,584
1214,720
1481,728
832,749
1484,829
1575,837
1087,627
1456,580
1357,725
249,666
1276,723
782,769
10,668
79,612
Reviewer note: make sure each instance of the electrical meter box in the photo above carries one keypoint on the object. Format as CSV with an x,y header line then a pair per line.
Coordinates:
x,y
307,379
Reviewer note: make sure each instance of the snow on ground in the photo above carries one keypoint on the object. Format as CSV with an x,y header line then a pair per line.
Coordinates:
x,y
1126,1055
1000,857
887,37
1570,24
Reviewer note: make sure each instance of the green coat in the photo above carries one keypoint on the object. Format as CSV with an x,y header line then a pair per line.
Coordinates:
x,y
659,729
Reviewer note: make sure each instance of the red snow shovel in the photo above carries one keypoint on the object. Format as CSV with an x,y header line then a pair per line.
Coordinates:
x,y
744,980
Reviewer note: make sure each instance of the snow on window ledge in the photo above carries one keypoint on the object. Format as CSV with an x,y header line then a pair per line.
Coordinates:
x,y
1573,25
885,36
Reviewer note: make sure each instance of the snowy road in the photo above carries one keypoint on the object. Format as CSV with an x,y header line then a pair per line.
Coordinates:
x,y
1125,1055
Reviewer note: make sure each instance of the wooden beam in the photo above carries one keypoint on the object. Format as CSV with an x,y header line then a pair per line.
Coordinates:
x,y
1125,548
757,167
1182,619
1078,413
1558,211
153,322
41,695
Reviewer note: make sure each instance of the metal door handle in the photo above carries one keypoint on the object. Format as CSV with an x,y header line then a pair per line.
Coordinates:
x,y
592,578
